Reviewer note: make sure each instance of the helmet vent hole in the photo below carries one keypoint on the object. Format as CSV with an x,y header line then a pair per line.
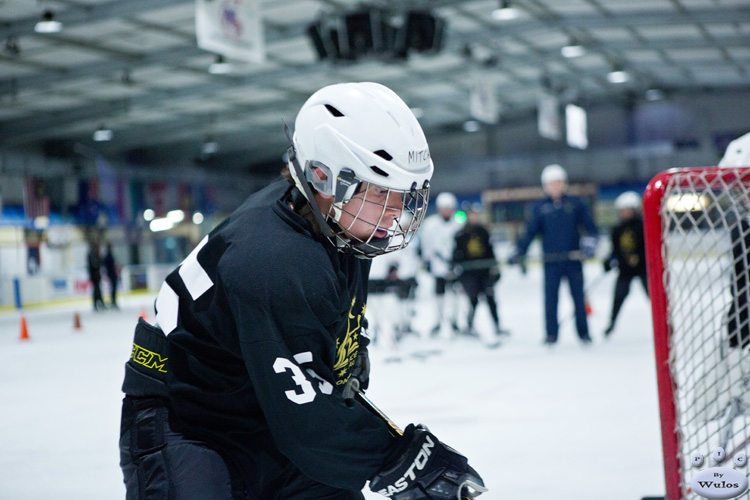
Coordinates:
x,y
335,112
379,171
384,155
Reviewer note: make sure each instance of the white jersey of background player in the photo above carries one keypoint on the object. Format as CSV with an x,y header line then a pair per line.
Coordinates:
x,y
390,314
437,241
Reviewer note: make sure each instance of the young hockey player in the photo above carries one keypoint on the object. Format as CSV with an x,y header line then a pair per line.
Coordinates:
x,y
569,235
628,251
476,267
244,389
437,241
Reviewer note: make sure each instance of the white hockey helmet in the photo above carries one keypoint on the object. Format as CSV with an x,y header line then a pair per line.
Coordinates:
x,y
737,153
628,199
360,134
553,172
446,200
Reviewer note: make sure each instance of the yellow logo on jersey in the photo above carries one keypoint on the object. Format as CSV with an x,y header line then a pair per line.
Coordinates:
x,y
347,350
149,359
629,248
627,241
475,248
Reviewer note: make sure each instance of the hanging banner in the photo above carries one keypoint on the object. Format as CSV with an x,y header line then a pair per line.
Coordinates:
x,y
36,197
576,126
548,119
232,28
483,103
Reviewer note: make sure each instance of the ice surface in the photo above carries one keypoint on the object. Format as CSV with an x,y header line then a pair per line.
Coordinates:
x,y
568,422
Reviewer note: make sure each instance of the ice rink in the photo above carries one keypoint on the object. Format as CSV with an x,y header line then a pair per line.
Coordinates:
x,y
570,422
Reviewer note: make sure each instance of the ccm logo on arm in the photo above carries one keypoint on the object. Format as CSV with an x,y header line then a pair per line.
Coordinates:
x,y
419,463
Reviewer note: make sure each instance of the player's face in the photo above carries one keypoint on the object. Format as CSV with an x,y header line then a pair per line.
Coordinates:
x,y
555,189
371,212
627,213
446,213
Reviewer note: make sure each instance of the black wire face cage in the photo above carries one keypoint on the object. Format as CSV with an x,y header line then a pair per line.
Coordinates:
x,y
378,220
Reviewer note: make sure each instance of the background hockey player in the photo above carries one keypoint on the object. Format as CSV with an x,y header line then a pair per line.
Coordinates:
x,y
628,251
437,241
476,267
738,319
243,389
569,235
94,264
392,291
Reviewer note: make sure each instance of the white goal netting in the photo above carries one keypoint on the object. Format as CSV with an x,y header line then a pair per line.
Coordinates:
x,y
704,245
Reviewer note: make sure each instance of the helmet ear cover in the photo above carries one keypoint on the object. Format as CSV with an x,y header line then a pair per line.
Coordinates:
x,y
347,184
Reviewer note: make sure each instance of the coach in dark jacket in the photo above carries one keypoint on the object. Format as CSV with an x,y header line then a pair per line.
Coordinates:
x,y
569,235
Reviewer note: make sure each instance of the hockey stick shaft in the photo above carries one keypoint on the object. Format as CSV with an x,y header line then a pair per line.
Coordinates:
x,y
365,401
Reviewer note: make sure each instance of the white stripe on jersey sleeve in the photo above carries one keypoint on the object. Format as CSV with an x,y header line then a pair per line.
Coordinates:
x,y
167,304
193,275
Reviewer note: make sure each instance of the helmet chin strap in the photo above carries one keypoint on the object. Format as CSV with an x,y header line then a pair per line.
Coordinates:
x,y
324,228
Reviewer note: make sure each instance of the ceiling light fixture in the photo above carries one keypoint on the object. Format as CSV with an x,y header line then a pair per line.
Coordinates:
x,y
176,216
618,76
654,95
48,23
162,224
472,126
103,134
220,66
209,147
573,49
505,12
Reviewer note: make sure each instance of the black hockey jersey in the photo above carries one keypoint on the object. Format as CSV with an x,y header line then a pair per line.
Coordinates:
x,y
629,247
473,243
263,323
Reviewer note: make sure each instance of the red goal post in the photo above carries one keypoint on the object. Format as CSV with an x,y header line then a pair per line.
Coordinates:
x,y
697,230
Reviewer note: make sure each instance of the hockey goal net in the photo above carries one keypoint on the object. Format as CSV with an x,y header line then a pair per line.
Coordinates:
x,y
697,224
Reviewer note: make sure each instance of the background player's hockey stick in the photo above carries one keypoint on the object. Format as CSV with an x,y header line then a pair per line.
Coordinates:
x,y
468,489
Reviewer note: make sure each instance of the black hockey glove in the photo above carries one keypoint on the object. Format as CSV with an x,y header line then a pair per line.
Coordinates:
x,y
609,264
359,379
494,274
426,469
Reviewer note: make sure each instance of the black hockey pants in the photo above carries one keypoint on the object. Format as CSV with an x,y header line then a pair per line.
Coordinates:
x,y
161,464
622,288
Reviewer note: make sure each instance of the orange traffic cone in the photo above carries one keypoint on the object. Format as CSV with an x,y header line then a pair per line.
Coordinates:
x,y
76,321
589,309
24,329
143,314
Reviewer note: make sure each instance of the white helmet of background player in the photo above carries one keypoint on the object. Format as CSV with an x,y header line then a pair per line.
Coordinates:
x,y
553,172
361,135
446,200
737,153
628,199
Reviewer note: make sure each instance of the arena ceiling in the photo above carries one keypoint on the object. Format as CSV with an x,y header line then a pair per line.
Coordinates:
x,y
133,66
